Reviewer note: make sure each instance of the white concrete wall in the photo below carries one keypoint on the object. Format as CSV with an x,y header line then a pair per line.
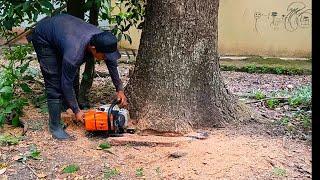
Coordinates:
x,y
265,27
280,28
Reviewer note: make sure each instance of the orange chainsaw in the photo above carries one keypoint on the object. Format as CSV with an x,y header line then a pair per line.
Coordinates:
x,y
109,118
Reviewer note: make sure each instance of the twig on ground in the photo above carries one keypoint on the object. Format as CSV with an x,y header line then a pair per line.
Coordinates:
x,y
101,74
110,152
265,99
166,156
32,170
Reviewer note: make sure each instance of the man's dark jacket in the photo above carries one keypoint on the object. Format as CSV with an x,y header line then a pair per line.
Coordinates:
x,y
70,36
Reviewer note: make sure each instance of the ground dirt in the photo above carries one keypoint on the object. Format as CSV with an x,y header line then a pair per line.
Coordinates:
x,y
246,151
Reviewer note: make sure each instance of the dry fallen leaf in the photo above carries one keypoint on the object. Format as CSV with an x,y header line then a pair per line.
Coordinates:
x,y
3,165
4,177
16,157
3,170
41,175
5,148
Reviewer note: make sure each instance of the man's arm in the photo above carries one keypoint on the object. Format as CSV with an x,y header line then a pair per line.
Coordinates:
x,y
67,77
113,70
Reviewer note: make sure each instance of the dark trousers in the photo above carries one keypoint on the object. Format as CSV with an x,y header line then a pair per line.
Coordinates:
x,y
51,64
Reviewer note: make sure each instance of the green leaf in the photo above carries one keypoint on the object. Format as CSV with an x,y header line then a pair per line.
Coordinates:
x,y
88,4
25,88
114,31
2,101
105,145
16,121
6,89
8,24
35,16
46,11
35,154
118,19
9,109
10,11
46,4
2,119
71,168
104,15
29,15
26,5
28,78
98,3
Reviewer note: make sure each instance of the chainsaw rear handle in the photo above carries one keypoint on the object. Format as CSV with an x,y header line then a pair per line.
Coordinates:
x,y
114,102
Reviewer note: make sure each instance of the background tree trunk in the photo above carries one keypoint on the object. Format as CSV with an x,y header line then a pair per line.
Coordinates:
x,y
88,74
176,85
74,10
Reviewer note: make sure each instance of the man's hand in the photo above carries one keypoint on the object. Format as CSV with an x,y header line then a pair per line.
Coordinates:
x,y
80,116
122,98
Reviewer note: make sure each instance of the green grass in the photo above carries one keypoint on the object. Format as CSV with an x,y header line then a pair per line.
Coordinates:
x,y
259,95
299,120
109,173
284,121
304,118
139,172
301,96
9,140
267,65
279,171
272,103
34,153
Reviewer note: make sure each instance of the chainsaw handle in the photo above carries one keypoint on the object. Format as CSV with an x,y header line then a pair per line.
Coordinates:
x,y
114,102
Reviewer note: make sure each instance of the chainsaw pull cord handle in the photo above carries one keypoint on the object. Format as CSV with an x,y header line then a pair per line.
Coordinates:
x,y
114,102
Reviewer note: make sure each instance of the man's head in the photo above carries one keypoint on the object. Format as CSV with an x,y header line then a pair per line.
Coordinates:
x,y
104,46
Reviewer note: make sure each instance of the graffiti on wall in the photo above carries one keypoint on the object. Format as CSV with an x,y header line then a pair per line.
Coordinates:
x,y
297,15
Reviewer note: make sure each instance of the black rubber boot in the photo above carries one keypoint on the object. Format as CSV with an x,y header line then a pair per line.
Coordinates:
x,y
55,127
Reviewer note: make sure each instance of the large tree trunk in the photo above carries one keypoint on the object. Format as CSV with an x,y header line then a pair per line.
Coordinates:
x,y
176,85
88,74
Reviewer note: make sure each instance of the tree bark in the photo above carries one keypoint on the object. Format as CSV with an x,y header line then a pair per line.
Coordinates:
x,y
177,85
74,10
88,74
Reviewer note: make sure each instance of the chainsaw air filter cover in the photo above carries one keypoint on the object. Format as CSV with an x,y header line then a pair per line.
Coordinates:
x,y
96,121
